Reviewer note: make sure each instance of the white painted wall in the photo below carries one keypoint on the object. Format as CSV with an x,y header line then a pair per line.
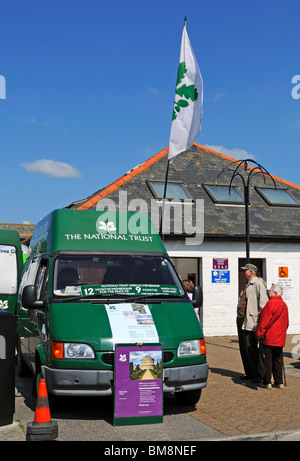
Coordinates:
x,y
220,300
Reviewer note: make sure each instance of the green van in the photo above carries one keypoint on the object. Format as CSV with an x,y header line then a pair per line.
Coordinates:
x,y
11,264
94,279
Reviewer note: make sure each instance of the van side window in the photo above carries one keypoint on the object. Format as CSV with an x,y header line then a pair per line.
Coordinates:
x,y
42,280
29,274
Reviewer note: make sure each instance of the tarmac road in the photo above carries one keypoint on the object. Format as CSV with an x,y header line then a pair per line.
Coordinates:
x,y
91,419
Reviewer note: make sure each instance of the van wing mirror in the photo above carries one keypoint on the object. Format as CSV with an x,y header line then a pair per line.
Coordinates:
x,y
29,300
197,297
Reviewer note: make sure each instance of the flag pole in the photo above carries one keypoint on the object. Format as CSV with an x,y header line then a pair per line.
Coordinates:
x,y
164,199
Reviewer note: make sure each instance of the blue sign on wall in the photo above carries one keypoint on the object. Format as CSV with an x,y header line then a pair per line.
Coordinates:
x,y
218,276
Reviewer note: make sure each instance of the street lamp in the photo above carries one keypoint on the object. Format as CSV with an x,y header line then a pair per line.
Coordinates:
x,y
243,165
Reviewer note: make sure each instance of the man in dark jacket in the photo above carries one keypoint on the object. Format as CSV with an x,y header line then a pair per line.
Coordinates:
x,y
272,326
252,299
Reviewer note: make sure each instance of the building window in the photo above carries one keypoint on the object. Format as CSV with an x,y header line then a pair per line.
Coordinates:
x,y
174,190
223,194
276,197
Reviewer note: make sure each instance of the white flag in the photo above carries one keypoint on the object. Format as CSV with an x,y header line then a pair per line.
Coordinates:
x,y
188,105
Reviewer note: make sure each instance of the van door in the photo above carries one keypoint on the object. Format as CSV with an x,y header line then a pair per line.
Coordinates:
x,y
38,316
24,324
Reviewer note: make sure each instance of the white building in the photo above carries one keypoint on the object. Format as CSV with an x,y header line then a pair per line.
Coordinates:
x,y
215,261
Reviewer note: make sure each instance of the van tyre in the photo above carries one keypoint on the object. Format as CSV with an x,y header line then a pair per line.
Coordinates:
x,y
35,383
188,397
53,400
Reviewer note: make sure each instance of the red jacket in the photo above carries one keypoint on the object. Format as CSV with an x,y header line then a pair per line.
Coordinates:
x,y
276,335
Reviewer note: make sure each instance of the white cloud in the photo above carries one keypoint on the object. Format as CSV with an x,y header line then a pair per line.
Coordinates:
x,y
52,168
218,96
152,92
236,153
34,121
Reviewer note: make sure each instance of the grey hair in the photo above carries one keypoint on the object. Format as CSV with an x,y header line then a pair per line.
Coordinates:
x,y
277,288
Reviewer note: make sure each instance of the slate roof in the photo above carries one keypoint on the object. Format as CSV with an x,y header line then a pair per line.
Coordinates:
x,y
200,165
25,230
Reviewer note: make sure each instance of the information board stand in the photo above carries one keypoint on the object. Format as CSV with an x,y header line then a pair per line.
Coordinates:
x,y
138,377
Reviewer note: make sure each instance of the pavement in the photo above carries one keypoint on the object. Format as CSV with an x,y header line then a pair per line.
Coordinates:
x,y
241,410
232,409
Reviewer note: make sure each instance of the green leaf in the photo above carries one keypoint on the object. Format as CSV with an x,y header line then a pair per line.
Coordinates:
x,y
189,92
182,103
181,72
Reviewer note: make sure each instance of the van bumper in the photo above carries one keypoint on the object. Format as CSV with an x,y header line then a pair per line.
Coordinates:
x,y
100,382
78,382
186,378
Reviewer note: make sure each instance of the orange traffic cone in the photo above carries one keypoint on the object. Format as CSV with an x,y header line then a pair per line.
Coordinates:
x,y
42,412
42,428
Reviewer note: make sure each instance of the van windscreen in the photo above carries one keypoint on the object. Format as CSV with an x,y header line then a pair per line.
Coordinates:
x,y
114,274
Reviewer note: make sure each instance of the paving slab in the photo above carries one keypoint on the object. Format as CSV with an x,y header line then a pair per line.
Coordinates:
x,y
238,408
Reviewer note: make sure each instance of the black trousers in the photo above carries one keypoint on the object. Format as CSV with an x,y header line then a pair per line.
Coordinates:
x,y
274,364
248,350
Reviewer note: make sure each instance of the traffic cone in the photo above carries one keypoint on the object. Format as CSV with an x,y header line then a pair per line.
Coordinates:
x,y
42,412
42,428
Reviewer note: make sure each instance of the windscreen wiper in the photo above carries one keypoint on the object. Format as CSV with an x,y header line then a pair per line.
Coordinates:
x,y
145,296
118,298
91,296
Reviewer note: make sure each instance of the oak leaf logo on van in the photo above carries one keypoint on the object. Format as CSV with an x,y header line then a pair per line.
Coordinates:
x,y
3,304
105,227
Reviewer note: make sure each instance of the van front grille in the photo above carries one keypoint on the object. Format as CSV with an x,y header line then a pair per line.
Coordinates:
x,y
168,356
109,357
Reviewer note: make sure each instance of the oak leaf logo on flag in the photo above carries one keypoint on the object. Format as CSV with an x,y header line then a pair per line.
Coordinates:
x,y
184,91
188,104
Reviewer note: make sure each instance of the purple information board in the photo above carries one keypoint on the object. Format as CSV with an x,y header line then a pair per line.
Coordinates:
x,y
220,263
138,384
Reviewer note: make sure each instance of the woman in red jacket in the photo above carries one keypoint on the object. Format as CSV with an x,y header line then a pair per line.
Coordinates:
x,y
272,326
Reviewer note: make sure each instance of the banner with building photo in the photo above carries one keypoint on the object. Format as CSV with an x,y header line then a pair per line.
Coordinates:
x,y
138,384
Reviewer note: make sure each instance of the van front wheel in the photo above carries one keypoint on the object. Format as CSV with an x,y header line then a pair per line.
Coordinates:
x,y
188,397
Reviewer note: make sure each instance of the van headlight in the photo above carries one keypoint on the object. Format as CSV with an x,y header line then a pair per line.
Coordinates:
x,y
78,351
191,347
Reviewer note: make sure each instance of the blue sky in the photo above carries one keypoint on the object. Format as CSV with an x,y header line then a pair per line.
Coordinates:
x,y
90,89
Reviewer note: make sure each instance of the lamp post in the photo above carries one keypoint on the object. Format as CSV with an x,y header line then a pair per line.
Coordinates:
x,y
257,168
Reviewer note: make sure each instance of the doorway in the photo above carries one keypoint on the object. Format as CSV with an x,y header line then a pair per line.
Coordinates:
x,y
259,263
187,268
